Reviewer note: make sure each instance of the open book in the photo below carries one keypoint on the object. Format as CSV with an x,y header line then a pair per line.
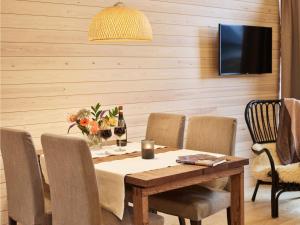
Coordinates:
x,y
201,160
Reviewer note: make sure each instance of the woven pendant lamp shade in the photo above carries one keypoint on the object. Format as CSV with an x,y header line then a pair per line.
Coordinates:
x,y
120,23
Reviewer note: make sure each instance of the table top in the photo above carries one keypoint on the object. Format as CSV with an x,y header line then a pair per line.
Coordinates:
x,y
164,175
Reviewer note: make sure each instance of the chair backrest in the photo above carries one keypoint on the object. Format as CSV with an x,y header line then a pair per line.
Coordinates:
x,y
25,194
262,119
211,134
166,129
72,179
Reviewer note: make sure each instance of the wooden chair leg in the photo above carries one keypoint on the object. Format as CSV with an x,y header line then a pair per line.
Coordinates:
x,y
228,215
181,220
255,190
195,222
11,221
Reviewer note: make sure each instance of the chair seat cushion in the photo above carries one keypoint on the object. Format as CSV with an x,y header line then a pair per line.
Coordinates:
x,y
261,168
289,173
109,218
195,203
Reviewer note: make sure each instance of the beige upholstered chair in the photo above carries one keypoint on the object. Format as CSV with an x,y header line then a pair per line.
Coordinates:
x,y
74,192
166,129
25,193
211,134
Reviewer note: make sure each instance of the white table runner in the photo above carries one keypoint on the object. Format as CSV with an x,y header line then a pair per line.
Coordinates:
x,y
110,176
111,150
105,151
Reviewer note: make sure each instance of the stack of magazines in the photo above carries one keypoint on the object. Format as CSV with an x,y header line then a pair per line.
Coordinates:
x,y
201,160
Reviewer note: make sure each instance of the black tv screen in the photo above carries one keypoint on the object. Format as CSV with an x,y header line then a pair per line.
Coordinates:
x,y
245,49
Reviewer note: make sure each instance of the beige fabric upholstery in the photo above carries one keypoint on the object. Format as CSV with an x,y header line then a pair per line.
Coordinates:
x,y
166,129
25,194
260,166
194,203
72,179
212,134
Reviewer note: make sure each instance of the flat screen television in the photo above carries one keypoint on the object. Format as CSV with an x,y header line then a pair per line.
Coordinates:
x,y
245,49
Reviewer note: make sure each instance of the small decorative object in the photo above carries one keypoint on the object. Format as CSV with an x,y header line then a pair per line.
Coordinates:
x,y
202,160
147,149
90,122
120,23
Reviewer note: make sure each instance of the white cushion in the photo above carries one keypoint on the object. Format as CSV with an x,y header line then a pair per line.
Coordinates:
x,y
260,165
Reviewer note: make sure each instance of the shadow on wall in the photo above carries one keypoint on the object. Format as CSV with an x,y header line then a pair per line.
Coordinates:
x,y
208,57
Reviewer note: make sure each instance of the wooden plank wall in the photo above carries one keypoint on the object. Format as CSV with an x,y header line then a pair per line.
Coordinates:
x,y
49,69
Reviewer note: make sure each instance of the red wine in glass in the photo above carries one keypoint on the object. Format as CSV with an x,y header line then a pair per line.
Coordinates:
x,y
105,134
119,132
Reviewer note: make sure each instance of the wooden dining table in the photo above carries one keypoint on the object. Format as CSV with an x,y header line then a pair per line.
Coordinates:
x,y
142,185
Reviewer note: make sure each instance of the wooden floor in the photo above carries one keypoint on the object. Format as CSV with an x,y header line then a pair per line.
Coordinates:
x,y
258,213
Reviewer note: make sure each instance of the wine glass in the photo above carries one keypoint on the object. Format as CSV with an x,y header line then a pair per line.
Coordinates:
x,y
119,131
105,133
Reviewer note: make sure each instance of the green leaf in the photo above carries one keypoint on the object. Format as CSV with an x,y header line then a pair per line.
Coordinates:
x,y
97,114
113,112
98,106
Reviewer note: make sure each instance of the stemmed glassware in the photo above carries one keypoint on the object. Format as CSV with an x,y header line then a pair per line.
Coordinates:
x,y
119,131
105,133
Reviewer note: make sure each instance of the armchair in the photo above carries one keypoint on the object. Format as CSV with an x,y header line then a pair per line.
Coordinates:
x,y
262,119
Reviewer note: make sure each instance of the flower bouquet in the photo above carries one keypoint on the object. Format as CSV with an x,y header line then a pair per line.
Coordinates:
x,y
91,121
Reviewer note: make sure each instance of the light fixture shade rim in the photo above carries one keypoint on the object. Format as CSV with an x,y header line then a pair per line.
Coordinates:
x,y
120,23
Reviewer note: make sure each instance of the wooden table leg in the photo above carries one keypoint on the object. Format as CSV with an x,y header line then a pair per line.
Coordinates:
x,y
237,199
140,207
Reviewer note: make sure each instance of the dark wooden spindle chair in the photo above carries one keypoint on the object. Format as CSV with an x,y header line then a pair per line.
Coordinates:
x,y
262,119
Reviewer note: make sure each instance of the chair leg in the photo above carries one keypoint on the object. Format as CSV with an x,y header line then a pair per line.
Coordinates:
x,y
154,211
255,190
228,215
193,222
274,203
181,220
276,208
11,221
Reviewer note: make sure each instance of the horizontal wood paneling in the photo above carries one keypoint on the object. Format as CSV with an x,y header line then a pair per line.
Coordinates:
x,y
250,6
111,63
82,10
80,37
55,102
57,89
49,69
76,25
58,50
62,75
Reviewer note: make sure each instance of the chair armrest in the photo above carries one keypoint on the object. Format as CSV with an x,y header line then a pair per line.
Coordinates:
x,y
259,149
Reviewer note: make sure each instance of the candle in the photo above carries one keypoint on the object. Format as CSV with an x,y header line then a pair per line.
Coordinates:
x,y
147,149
